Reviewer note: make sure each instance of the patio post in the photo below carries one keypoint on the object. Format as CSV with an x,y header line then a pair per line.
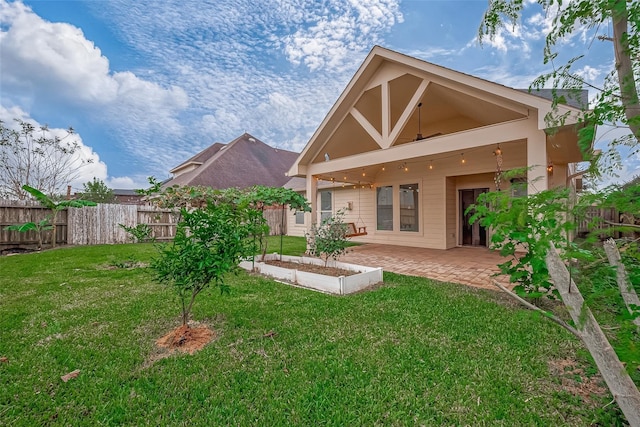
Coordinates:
x,y
312,197
537,161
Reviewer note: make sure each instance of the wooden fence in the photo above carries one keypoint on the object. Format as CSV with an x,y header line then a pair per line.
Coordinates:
x,y
21,212
98,224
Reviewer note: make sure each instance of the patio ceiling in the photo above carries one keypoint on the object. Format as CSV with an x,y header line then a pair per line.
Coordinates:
x,y
398,108
443,111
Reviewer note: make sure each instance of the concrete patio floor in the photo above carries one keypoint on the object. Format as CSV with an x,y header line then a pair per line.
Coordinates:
x,y
471,266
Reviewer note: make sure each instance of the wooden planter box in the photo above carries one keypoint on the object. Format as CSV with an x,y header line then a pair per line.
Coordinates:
x,y
341,285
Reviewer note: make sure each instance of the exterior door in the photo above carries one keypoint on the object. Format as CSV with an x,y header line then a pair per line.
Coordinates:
x,y
472,234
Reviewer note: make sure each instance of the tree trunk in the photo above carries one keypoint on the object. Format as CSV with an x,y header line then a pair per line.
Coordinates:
x,y
618,380
626,290
624,67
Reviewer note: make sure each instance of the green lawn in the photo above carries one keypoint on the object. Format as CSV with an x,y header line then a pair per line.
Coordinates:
x,y
411,352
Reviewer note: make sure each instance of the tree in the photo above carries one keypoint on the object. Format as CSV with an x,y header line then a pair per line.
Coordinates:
x,y
209,243
617,101
216,230
541,222
97,191
329,239
37,159
529,229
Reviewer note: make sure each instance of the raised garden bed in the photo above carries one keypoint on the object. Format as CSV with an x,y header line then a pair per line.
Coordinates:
x,y
362,276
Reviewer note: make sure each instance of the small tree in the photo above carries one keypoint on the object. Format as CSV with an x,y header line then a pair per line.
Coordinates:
x,y
529,230
216,230
139,233
97,191
329,239
37,159
49,223
210,242
261,197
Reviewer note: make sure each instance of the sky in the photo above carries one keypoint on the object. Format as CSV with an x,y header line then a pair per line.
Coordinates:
x,y
146,84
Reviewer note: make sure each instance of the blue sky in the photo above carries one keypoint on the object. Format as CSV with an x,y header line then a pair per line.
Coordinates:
x,y
147,84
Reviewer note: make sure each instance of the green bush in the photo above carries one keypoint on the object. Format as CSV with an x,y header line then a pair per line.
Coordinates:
x,y
329,239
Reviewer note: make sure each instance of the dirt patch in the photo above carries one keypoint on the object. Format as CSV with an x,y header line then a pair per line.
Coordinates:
x,y
574,380
16,251
123,265
311,268
186,339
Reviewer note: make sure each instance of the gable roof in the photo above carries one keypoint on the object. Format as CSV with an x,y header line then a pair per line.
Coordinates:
x,y
199,158
243,162
348,112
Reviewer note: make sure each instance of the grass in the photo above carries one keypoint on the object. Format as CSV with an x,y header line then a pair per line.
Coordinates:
x,y
290,245
295,246
411,352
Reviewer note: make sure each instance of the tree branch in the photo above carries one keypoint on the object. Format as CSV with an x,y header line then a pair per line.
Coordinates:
x,y
546,314
626,290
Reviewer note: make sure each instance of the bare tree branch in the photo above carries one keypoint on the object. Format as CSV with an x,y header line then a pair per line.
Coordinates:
x,y
546,314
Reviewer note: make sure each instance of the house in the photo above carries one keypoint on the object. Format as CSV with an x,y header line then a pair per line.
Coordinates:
x,y
244,162
128,197
409,145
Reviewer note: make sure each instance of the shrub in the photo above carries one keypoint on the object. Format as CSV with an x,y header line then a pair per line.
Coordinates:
x,y
329,239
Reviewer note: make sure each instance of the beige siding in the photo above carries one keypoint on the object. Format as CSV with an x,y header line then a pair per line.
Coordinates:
x,y
294,229
439,220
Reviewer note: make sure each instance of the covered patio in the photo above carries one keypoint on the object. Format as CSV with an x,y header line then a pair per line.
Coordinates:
x,y
472,266
410,145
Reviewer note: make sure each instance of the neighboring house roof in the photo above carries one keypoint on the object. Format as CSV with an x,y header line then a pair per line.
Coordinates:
x,y
125,192
243,162
199,158
573,98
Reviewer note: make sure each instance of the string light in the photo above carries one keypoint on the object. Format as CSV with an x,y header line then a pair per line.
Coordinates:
x,y
550,168
463,161
382,168
431,165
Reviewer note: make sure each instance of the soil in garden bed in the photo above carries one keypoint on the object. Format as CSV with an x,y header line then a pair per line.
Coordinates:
x,y
311,268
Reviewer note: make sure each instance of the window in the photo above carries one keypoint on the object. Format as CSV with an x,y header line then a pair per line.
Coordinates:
x,y
300,217
384,207
409,207
326,206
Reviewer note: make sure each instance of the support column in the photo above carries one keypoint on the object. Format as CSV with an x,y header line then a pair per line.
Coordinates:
x,y
537,162
312,197
386,115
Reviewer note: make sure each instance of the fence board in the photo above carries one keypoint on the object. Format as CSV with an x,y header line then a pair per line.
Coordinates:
x,y
93,225
162,221
595,218
274,217
23,211
99,224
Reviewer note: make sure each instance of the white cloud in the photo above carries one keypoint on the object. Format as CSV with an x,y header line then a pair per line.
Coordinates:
x,y
43,62
338,30
38,53
590,74
126,183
